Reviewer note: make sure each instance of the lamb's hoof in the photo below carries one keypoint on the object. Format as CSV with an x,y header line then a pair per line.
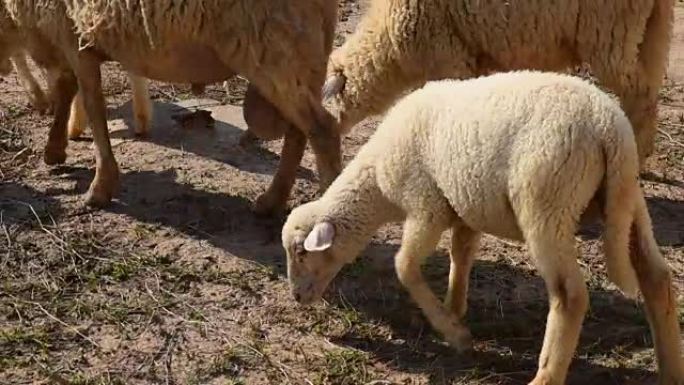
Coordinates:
x,y
541,379
461,340
269,204
54,156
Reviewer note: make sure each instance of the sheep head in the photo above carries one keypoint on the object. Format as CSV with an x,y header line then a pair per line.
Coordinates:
x,y
314,253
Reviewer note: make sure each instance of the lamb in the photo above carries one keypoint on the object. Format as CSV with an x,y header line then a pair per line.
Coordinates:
x,y
496,155
198,43
142,106
399,45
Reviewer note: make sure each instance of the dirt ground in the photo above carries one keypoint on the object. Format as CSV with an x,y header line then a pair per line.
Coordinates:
x,y
177,282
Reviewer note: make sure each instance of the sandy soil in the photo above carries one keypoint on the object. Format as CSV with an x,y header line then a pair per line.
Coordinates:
x,y
177,282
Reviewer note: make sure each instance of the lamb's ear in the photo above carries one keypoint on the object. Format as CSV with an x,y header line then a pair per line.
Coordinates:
x,y
320,238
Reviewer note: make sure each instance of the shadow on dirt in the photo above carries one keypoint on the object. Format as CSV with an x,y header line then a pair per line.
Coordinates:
x,y
506,314
22,205
219,142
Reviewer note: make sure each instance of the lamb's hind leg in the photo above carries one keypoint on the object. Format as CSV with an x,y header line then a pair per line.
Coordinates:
x,y
655,282
554,252
420,237
464,244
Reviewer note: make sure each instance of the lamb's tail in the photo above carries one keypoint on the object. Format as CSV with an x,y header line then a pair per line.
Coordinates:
x,y
622,194
656,41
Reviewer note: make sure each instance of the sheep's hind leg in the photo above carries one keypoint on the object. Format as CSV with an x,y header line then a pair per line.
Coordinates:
x,y
64,87
419,240
77,117
464,244
106,180
142,106
556,259
655,282
263,119
275,198
36,95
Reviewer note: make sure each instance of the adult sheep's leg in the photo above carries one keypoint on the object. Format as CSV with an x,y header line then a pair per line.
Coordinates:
x,y
36,94
655,282
419,240
326,144
275,198
77,117
554,252
464,244
63,87
106,179
142,109
263,119
640,103
142,106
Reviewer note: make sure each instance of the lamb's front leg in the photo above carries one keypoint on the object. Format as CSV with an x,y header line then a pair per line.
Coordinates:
x,y
464,244
420,238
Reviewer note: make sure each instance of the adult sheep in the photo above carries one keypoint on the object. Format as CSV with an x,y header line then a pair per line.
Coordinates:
x,y
400,44
197,42
496,155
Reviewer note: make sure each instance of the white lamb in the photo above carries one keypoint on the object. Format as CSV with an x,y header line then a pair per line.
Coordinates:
x,y
518,155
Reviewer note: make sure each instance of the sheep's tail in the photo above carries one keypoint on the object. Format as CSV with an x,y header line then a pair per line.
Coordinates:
x,y
656,41
622,194
370,70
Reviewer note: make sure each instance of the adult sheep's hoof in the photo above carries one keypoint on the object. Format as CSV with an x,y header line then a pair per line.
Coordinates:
x,y
41,104
670,380
270,204
103,187
460,339
54,156
247,139
99,196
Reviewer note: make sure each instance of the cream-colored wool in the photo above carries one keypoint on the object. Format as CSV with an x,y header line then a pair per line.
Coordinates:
x,y
400,44
280,46
517,155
